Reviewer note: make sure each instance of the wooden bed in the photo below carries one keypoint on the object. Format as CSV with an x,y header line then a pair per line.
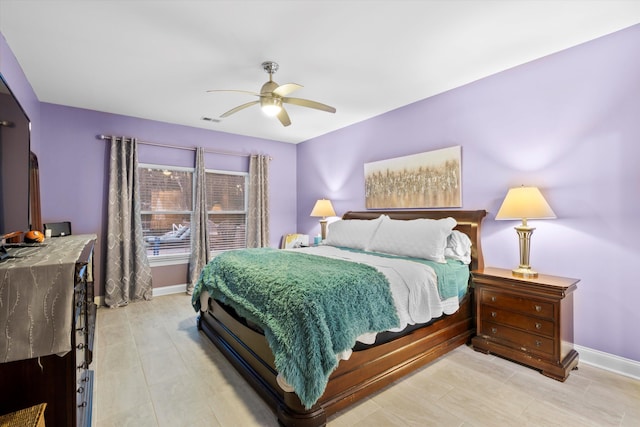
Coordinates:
x,y
367,371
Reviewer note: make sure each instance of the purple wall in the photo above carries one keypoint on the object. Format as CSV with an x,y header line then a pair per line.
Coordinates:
x,y
74,166
568,123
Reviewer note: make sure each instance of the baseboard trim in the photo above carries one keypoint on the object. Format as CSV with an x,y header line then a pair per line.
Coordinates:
x,y
610,362
168,290
157,292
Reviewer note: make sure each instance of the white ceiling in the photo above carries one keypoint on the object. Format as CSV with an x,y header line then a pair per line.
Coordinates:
x,y
156,59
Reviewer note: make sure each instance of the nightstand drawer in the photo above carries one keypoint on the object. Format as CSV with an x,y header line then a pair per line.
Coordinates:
x,y
520,321
516,320
515,303
522,340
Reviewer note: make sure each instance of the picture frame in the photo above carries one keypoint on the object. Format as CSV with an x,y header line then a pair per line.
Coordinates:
x,y
426,180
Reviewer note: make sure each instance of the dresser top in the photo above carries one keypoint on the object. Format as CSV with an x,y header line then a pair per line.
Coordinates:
x,y
36,297
544,280
53,251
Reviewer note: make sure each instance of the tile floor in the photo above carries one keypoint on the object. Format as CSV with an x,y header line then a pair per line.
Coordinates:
x,y
153,368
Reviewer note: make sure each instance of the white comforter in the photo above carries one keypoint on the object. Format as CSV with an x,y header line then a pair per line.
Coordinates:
x,y
414,286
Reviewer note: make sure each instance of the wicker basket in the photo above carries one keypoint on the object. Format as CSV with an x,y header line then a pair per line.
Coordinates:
x,y
29,417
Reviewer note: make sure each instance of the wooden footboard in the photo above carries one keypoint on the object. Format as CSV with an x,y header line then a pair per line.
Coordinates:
x,y
364,373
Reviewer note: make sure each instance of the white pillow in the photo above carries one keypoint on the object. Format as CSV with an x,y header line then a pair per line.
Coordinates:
x,y
458,247
418,238
352,233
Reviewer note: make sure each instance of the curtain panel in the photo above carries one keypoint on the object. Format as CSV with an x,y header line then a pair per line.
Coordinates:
x,y
258,217
128,274
35,210
200,252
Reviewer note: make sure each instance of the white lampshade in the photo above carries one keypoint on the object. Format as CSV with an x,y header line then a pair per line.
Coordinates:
x,y
323,208
525,203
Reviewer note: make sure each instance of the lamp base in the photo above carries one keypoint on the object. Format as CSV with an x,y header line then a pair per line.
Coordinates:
x,y
524,238
527,273
323,228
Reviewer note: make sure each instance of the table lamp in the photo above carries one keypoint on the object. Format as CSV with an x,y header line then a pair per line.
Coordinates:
x,y
524,203
323,208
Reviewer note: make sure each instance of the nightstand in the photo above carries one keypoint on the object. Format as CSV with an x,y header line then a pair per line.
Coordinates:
x,y
529,321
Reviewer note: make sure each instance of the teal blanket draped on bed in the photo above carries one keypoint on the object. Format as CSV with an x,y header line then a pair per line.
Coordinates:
x,y
310,307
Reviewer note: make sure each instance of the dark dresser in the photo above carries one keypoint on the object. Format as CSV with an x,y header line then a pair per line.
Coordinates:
x,y
47,319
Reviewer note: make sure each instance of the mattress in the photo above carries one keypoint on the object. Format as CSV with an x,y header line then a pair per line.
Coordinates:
x,y
422,289
417,292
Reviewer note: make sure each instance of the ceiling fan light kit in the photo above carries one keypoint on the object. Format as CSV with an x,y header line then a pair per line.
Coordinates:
x,y
273,96
270,106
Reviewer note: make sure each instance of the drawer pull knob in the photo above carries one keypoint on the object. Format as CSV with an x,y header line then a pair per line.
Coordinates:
x,y
538,325
80,390
494,314
494,330
538,343
82,405
493,299
80,346
538,308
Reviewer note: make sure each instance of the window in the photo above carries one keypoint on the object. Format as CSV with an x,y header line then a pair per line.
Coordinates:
x,y
166,198
227,199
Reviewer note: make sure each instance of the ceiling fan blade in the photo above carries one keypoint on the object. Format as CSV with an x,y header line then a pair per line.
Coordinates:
x,y
286,89
234,90
284,117
238,108
307,103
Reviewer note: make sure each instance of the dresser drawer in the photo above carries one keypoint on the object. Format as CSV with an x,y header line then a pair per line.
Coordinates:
x,y
517,320
516,303
524,341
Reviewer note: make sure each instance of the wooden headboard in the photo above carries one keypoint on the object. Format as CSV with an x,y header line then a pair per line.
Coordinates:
x,y
469,223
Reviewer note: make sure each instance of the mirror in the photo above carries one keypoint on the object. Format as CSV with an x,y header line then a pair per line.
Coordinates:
x,y
15,162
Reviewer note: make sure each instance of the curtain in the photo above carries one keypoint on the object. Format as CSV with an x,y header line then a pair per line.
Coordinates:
x,y
34,194
258,220
200,252
128,274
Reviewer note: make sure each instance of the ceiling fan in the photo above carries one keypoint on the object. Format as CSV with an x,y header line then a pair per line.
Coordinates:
x,y
273,96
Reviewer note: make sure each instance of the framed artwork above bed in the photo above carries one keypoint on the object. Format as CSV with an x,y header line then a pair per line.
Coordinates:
x,y
426,180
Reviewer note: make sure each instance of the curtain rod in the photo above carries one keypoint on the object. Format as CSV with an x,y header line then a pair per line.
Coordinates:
x,y
179,147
